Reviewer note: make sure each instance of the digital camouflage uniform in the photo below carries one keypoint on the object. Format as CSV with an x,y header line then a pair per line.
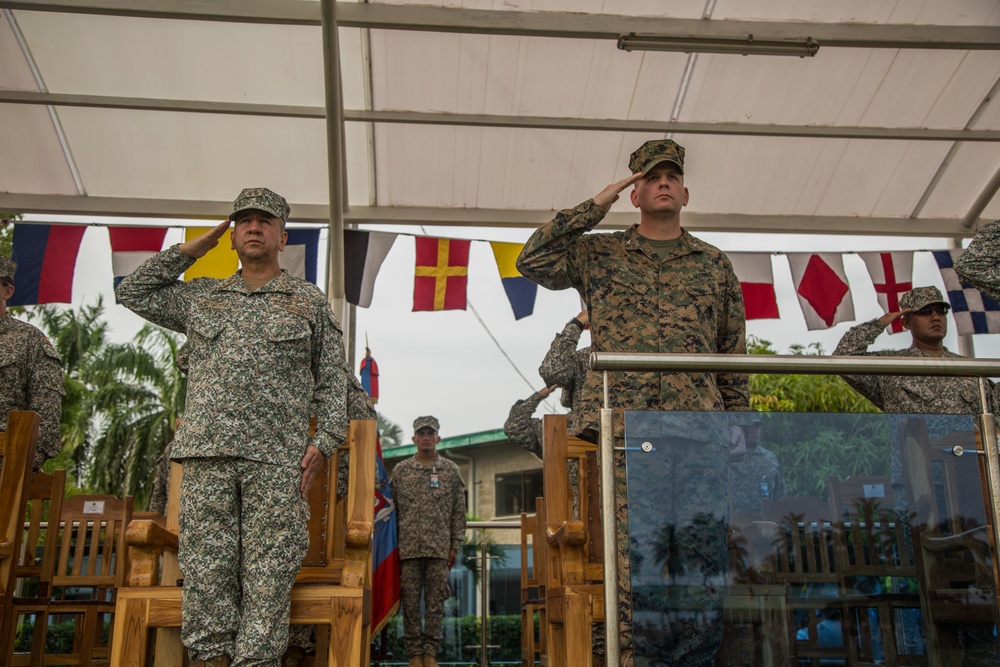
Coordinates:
x,y
753,478
979,265
915,395
431,524
260,363
566,366
690,301
525,431
31,378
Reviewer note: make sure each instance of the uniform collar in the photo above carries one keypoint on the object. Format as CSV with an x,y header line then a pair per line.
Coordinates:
x,y
5,322
686,245
281,284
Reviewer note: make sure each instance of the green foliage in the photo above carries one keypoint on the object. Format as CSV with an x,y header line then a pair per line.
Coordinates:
x,y
470,551
826,444
58,638
121,401
459,633
801,393
7,233
390,431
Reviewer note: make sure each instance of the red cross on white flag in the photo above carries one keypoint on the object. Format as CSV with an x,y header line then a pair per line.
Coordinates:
x,y
892,275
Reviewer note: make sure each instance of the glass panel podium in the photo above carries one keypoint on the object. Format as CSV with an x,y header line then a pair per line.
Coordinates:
x,y
827,539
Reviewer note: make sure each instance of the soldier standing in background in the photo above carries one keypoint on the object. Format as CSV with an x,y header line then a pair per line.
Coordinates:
x,y
31,377
656,288
979,265
265,351
755,474
430,497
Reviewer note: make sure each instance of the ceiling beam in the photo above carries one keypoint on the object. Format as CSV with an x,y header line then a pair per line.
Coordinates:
x,y
531,24
498,218
488,120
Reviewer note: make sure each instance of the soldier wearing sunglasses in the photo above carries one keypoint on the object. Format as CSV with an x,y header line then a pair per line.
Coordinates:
x,y
924,313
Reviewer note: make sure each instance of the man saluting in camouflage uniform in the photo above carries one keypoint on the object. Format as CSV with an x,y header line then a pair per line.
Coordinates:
x,y
30,375
430,498
656,288
265,351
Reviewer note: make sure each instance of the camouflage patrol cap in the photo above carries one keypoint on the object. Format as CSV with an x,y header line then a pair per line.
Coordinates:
x,y
8,267
261,199
426,422
654,152
918,297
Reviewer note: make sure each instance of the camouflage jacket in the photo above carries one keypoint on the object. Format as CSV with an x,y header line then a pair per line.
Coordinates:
x,y
689,302
521,428
754,477
259,362
567,367
979,265
431,520
909,394
31,378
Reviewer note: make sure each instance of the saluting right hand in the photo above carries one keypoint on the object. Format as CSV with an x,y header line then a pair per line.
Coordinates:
x,y
889,318
609,195
545,391
199,246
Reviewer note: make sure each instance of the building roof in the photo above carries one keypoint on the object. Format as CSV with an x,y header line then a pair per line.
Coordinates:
x,y
457,442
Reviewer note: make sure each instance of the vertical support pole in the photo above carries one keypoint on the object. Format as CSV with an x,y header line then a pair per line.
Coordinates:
x,y
987,432
612,644
336,165
484,584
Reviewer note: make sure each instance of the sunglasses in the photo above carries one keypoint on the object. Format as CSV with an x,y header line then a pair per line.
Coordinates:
x,y
926,311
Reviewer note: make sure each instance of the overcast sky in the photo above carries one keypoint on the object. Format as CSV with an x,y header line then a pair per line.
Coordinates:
x,y
445,363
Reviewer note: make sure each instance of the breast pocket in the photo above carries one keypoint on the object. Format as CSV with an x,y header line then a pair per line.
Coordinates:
x,y
701,297
10,371
290,334
206,325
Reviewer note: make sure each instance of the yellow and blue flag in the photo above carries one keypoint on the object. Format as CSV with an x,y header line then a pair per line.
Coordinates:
x,y
520,291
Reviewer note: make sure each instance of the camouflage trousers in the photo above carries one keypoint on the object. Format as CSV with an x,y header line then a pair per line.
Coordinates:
x,y
242,539
430,576
687,504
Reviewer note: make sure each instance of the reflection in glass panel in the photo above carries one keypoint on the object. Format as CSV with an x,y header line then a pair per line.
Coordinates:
x,y
829,539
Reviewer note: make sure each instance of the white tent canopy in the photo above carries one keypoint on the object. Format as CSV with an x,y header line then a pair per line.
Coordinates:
x,y
466,114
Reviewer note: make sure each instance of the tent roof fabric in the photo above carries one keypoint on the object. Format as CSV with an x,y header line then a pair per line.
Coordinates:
x,y
495,113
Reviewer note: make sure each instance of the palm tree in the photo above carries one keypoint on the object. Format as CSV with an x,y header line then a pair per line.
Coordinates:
x,y
390,432
78,337
138,393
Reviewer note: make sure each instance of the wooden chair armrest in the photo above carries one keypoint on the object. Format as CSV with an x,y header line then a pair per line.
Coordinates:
x,y
979,549
359,534
147,540
150,534
6,549
569,534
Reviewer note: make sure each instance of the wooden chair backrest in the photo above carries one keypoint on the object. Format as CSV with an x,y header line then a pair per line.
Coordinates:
x,y
804,552
41,529
17,447
869,536
529,573
92,551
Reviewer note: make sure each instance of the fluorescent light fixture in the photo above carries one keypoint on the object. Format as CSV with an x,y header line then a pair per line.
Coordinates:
x,y
739,46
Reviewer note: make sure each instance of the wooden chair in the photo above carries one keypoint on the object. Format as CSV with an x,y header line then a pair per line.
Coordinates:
x,y
873,564
333,588
90,567
951,543
17,449
34,571
532,589
574,589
